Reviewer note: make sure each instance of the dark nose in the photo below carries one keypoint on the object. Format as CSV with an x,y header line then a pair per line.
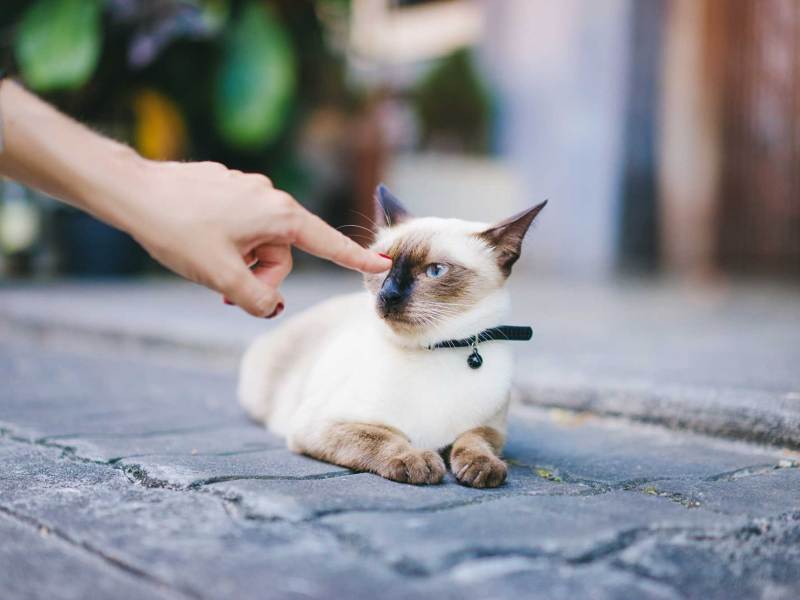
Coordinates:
x,y
391,293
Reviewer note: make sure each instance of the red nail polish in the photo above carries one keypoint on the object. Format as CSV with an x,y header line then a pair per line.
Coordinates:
x,y
228,302
384,255
278,310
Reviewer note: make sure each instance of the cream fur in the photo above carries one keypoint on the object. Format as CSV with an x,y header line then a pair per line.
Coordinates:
x,y
339,362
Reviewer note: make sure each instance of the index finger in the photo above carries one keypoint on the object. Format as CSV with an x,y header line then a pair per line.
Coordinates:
x,y
320,239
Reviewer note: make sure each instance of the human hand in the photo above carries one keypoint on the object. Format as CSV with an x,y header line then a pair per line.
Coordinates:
x,y
208,223
201,220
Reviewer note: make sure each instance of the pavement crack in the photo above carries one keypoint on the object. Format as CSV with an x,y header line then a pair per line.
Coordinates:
x,y
116,459
754,470
558,475
601,551
594,487
676,497
642,573
139,475
402,565
451,561
432,508
617,544
200,483
107,558
141,434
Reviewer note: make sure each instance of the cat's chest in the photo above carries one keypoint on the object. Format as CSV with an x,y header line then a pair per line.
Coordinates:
x,y
442,377
431,395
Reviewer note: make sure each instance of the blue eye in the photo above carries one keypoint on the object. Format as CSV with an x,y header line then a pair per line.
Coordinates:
x,y
435,270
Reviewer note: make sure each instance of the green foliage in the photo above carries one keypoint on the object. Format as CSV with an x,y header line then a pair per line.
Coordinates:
x,y
256,81
58,43
454,105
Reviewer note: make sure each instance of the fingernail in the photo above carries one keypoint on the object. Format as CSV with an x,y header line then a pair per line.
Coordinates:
x,y
278,310
384,255
228,302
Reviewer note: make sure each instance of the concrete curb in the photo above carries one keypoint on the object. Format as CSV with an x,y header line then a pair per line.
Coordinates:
x,y
749,415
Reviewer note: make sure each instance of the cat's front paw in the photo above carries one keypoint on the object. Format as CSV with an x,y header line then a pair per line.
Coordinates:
x,y
479,470
419,467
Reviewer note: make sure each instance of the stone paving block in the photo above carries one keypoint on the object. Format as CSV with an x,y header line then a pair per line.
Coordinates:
x,y
303,499
569,526
768,493
613,452
26,470
36,564
232,439
757,561
53,393
187,470
521,577
108,425
188,539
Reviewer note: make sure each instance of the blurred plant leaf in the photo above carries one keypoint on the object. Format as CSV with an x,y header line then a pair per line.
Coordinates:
x,y
256,81
58,43
454,105
215,14
160,131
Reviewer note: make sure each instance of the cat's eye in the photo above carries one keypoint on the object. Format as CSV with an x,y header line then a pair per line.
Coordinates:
x,y
436,270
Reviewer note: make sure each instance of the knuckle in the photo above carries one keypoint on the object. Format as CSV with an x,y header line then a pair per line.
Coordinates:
x,y
257,180
285,202
287,212
262,180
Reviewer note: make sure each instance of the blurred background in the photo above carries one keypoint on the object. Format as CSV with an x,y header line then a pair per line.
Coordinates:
x,y
665,133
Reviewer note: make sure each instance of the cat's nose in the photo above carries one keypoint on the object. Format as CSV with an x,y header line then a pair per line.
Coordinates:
x,y
391,294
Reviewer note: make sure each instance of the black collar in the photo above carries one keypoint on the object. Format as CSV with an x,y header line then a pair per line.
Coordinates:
x,y
510,333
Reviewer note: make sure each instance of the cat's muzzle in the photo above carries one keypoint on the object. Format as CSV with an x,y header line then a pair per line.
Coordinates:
x,y
391,309
392,299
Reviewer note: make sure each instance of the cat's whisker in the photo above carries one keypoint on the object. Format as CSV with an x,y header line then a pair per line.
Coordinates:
x,y
370,219
367,229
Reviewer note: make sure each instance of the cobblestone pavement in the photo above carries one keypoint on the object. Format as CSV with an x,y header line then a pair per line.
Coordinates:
x,y
121,477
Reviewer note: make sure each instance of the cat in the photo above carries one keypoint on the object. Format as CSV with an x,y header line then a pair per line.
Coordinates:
x,y
352,380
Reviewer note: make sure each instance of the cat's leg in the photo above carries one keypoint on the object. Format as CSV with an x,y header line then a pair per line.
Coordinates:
x,y
375,448
475,458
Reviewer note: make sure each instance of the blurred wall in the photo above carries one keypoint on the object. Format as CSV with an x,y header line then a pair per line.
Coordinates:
x,y
560,73
730,147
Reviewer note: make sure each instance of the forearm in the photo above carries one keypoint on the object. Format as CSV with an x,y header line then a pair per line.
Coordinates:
x,y
49,151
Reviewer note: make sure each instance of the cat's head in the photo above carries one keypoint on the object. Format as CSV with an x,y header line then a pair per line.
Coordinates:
x,y
442,269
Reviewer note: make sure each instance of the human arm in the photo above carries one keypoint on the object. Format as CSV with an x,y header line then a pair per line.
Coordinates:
x,y
202,220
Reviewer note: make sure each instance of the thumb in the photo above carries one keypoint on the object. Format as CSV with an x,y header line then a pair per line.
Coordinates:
x,y
252,294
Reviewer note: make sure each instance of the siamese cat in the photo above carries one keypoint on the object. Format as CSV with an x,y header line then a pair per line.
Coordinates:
x,y
355,380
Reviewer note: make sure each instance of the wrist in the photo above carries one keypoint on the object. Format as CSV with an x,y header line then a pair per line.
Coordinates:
x,y
114,188
49,151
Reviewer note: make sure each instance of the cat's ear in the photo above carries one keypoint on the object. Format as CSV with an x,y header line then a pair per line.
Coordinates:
x,y
506,237
388,210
